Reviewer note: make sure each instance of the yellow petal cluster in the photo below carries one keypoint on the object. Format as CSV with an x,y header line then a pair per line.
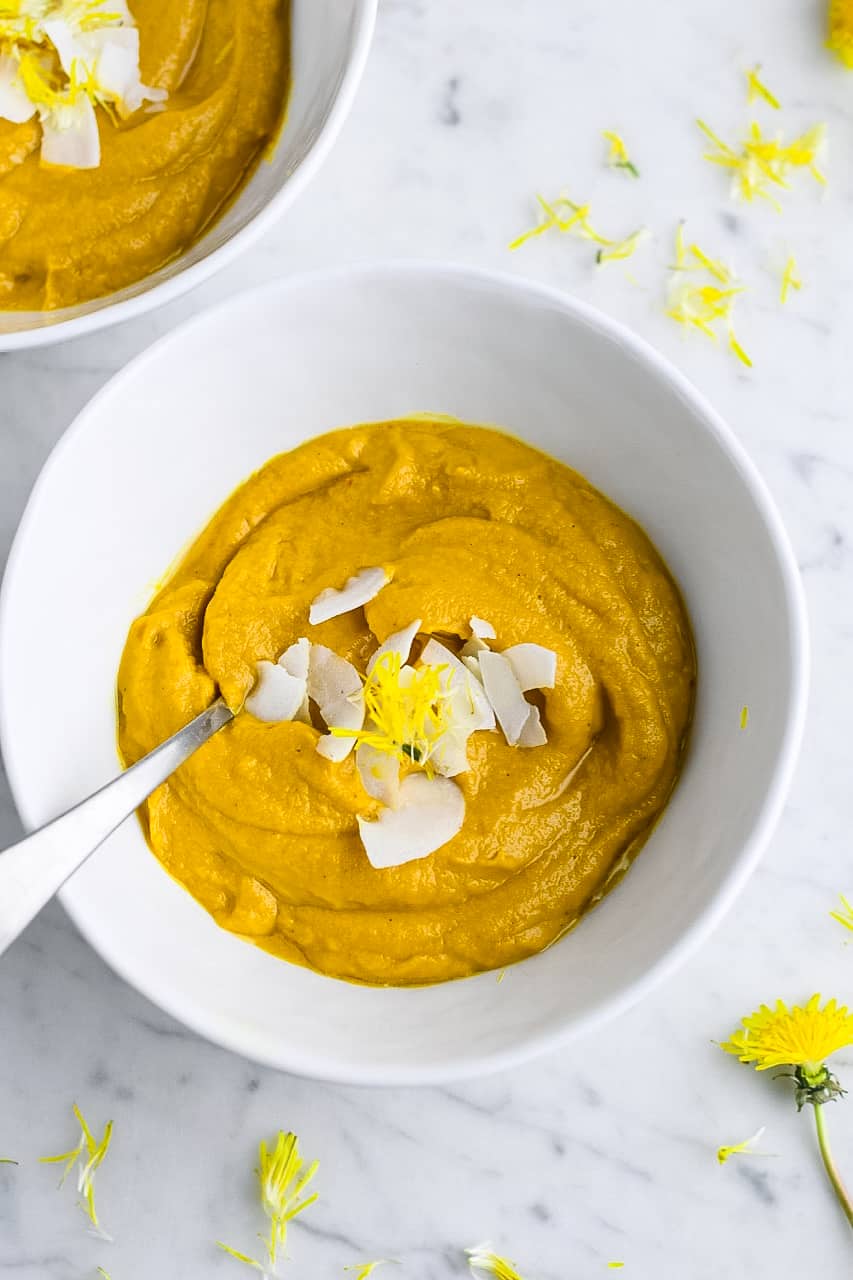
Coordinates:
x,y
282,1184
800,1036
406,709
761,165
564,215
840,34
90,1153
702,293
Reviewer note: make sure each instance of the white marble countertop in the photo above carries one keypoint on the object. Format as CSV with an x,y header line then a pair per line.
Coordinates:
x,y
605,1151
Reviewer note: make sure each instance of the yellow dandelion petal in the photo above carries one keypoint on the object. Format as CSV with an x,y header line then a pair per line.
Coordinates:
x,y
618,157
840,34
94,1152
565,216
482,1258
790,279
282,1180
744,717
744,1148
759,163
624,248
364,1270
845,915
800,1036
756,88
700,304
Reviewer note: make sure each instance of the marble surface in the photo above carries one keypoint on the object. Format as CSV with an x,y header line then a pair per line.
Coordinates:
x,y
604,1151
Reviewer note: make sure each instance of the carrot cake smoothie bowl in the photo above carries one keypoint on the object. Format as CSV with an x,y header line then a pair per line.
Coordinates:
x,y
125,131
463,681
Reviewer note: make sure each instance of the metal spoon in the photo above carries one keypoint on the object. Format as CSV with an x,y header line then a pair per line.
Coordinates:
x,y
32,870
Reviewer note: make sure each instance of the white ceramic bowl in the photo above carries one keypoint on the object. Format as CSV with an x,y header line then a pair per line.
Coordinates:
x,y
154,455
330,41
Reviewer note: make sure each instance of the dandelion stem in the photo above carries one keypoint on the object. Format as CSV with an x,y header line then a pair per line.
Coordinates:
x,y
830,1166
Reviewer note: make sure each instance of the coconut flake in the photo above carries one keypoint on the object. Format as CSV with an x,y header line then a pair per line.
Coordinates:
x,y
533,734
460,677
277,695
358,591
296,658
482,630
430,812
400,643
336,687
15,106
380,774
533,666
70,136
504,693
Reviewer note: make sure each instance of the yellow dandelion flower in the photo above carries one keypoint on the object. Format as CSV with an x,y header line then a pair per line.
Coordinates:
x,y
840,35
744,1148
797,1037
801,1038
845,915
483,1258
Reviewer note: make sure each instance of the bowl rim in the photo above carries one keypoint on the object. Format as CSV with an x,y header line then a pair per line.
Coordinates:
x,y
188,278
469,1064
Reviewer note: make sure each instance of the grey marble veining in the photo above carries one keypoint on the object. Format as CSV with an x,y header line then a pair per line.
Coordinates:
x,y
606,1150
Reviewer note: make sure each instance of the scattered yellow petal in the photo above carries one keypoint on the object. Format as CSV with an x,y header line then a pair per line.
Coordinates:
x,y
618,157
845,915
797,1037
840,36
740,1148
105,1275
624,249
760,164
757,89
744,717
502,973
241,1257
696,303
364,1270
94,1152
483,1258
790,279
281,1183
562,214
7,1161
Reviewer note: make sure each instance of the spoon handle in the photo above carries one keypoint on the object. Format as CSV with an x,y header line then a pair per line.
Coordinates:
x,y
32,870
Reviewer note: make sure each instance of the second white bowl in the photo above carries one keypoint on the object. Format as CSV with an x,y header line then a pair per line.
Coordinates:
x,y
330,41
